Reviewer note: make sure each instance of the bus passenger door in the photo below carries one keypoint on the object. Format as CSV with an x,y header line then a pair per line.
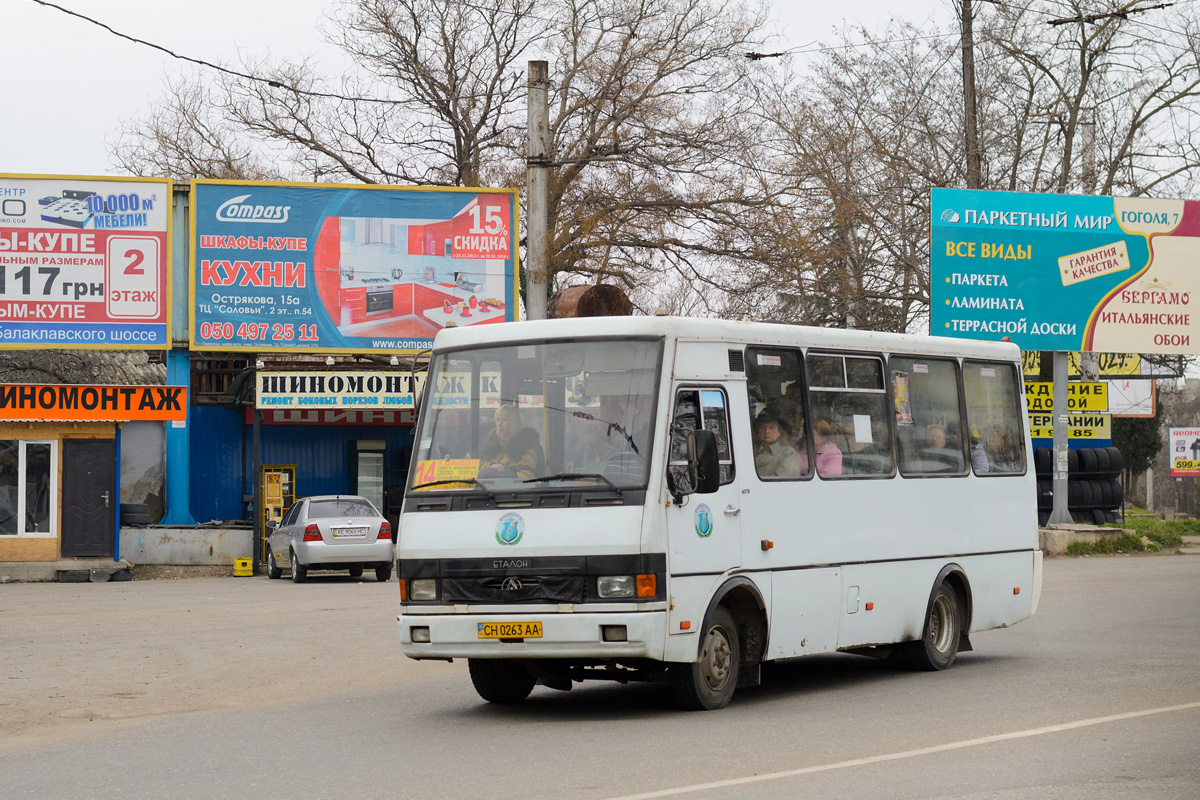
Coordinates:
x,y
704,531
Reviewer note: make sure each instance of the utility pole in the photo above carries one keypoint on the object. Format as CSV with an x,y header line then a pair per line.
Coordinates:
x,y
537,178
974,170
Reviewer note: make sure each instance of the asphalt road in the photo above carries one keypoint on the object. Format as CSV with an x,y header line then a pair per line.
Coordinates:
x,y
211,688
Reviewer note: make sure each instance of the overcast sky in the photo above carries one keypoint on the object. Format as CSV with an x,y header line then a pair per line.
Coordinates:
x,y
70,83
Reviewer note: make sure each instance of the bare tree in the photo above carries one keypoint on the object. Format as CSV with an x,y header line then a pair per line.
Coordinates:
x,y
652,101
1094,101
1101,101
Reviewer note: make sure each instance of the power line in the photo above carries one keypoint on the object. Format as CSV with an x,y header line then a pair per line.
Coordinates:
x,y
273,83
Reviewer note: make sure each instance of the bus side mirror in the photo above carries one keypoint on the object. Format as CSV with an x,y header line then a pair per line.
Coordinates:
x,y
704,467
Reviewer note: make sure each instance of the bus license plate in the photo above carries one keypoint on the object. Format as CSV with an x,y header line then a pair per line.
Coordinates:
x,y
510,630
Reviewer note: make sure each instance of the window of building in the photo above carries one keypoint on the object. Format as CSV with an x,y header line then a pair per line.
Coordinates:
x,y
994,413
214,379
699,409
929,430
850,425
28,488
775,387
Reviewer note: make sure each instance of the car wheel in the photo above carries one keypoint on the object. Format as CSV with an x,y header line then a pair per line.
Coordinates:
x,y
501,680
383,572
299,571
273,570
356,571
943,628
708,683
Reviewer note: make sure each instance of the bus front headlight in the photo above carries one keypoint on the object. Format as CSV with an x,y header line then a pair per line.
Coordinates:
x,y
610,586
423,589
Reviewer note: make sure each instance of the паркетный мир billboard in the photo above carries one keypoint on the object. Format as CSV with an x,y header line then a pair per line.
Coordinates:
x,y
1066,272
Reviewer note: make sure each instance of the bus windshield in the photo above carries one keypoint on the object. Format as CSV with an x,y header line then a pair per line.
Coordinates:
x,y
531,416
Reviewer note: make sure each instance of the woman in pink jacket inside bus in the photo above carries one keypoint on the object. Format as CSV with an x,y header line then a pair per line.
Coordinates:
x,y
829,457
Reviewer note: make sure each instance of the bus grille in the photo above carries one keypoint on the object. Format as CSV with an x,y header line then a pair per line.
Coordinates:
x,y
523,589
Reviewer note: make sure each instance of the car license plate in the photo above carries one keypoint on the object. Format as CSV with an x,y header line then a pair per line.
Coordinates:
x,y
346,533
510,630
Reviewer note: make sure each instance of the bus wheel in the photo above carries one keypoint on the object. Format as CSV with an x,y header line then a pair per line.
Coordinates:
x,y
501,680
708,683
937,648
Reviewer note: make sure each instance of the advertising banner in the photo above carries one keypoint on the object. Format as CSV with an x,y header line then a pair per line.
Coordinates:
x,y
1185,452
1039,396
353,389
84,263
1131,398
1066,272
101,403
1110,363
1096,428
332,268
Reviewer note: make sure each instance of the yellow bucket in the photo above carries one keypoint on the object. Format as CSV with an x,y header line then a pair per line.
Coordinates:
x,y
242,568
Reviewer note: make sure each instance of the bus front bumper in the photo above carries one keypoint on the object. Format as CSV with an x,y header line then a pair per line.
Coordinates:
x,y
564,635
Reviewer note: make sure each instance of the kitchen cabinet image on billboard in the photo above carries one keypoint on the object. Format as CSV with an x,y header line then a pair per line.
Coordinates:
x,y
334,268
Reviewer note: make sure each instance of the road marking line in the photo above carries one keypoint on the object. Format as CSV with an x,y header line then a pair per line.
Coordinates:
x,y
859,762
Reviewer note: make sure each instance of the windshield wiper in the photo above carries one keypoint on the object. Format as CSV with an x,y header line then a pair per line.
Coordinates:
x,y
574,476
474,483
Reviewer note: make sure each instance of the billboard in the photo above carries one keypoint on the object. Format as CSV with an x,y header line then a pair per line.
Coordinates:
x,y
84,262
1108,363
1066,272
1185,452
346,269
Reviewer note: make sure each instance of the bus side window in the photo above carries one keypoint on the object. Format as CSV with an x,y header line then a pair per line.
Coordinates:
x,y
994,413
850,425
929,429
699,409
775,387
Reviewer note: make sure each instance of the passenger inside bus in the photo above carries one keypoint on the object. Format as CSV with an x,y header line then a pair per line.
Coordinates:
x,y
938,449
512,450
774,455
829,455
1003,456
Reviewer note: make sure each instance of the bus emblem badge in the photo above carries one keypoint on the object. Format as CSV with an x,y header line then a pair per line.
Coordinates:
x,y
704,521
510,529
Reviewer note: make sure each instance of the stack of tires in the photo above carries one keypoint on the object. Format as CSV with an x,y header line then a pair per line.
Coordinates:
x,y
1094,493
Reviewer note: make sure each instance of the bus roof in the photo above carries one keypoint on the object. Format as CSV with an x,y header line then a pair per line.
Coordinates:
x,y
720,331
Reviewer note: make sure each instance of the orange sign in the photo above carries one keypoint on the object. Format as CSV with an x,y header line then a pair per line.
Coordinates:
x,y
449,470
92,403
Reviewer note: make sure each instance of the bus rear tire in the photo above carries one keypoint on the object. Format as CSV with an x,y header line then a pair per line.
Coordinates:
x,y
709,682
501,680
936,649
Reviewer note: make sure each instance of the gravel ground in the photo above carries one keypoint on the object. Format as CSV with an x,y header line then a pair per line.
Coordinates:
x,y
76,655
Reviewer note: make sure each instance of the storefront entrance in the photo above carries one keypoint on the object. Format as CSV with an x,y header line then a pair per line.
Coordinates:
x,y
89,498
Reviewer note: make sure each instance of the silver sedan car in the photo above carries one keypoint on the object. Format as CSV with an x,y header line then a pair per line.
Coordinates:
x,y
331,532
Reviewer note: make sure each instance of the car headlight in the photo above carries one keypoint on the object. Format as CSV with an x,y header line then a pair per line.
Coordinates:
x,y
609,586
423,589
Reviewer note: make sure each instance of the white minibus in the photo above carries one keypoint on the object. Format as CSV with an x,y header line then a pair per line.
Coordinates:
x,y
681,500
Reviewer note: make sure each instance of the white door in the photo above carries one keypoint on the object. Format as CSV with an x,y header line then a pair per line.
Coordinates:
x,y
705,532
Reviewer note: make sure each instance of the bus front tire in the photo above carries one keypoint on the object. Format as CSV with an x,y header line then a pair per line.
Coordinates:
x,y
501,680
936,649
708,683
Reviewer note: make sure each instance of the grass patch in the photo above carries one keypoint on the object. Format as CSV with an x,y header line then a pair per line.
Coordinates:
x,y
1127,543
1164,533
